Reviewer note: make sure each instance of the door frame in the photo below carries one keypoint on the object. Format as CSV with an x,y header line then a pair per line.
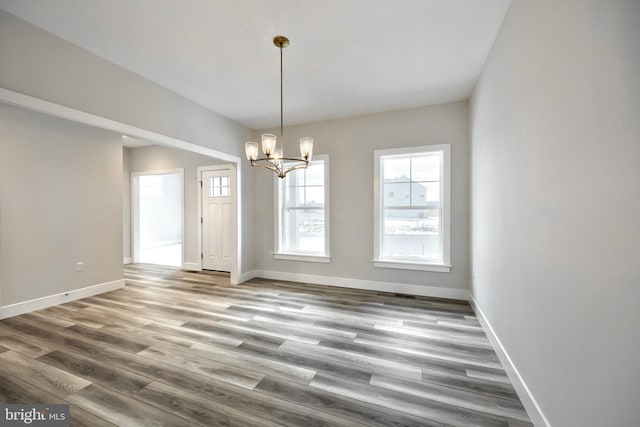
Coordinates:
x,y
235,215
135,209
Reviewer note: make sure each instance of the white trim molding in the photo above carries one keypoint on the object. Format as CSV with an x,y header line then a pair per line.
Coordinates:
x,y
528,401
127,260
302,257
61,298
279,251
410,263
192,266
405,265
247,276
371,285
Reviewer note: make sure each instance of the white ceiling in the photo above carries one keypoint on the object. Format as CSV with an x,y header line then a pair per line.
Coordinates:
x,y
346,58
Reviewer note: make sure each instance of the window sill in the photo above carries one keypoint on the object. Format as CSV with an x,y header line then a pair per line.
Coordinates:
x,y
301,257
408,265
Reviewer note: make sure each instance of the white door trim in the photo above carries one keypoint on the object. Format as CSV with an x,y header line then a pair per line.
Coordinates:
x,y
235,201
135,209
36,104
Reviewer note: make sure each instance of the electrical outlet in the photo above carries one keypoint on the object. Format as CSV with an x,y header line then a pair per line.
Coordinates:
x,y
80,266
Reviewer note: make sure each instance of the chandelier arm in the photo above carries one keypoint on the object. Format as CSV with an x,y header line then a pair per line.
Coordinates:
x,y
304,165
276,163
271,168
281,171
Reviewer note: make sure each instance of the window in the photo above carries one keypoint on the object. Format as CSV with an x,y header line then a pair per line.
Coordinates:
x,y
219,186
412,200
302,205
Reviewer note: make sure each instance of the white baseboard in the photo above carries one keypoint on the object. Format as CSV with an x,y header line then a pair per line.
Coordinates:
x,y
191,266
247,276
127,260
371,285
528,401
61,298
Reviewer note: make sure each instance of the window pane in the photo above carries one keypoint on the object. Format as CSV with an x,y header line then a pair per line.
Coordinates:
x,y
315,197
412,233
294,178
315,173
418,194
425,194
426,167
210,186
397,194
398,169
303,230
294,197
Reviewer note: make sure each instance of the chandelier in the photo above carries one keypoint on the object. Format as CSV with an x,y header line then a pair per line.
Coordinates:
x,y
274,159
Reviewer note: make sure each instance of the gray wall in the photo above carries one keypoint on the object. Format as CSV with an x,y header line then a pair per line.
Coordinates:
x,y
153,158
350,144
38,64
556,196
61,202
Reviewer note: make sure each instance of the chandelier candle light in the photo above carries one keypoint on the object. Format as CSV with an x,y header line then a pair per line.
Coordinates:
x,y
274,159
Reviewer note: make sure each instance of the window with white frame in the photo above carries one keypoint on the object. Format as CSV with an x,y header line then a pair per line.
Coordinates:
x,y
302,210
412,208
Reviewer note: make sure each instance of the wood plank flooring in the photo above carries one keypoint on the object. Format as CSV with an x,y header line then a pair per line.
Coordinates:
x,y
183,349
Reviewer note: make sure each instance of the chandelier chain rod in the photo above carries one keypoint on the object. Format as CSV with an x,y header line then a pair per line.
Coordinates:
x,y
281,105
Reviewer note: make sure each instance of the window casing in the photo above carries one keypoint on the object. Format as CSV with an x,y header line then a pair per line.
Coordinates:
x,y
412,208
302,212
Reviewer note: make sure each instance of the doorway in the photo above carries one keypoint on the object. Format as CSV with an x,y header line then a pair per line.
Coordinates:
x,y
158,212
218,222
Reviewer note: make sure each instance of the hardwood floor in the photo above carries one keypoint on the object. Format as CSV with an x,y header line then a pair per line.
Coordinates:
x,y
182,349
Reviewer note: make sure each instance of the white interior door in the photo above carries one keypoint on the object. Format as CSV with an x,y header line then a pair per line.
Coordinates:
x,y
217,217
